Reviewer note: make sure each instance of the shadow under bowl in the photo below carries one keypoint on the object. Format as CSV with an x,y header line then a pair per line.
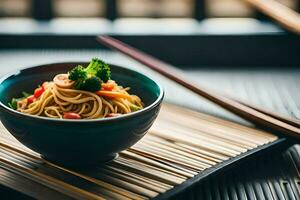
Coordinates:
x,y
78,142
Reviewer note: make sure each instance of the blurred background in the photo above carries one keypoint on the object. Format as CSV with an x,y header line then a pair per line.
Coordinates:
x,y
205,27
131,8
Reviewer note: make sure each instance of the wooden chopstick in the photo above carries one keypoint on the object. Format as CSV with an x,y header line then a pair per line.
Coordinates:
x,y
246,112
286,17
291,121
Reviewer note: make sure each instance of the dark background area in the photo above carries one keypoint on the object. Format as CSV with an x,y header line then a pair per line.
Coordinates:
x,y
184,33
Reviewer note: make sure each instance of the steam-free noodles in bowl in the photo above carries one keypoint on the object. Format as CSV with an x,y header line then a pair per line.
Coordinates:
x,y
81,93
83,141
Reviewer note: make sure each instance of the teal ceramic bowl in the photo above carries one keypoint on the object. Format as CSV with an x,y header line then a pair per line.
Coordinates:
x,y
78,142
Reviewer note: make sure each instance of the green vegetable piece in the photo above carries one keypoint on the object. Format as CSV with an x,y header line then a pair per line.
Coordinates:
x,y
94,66
14,101
77,73
91,77
10,105
105,73
92,84
26,94
79,84
134,107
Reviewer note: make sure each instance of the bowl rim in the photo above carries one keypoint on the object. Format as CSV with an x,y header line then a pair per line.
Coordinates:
x,y
99,120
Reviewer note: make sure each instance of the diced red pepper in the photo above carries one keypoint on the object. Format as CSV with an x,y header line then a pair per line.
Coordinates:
x,y
44,84
31,99
71,115
109,86
113,115
38,92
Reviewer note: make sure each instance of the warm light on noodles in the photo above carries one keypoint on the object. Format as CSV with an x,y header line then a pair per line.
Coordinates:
x,y
60,97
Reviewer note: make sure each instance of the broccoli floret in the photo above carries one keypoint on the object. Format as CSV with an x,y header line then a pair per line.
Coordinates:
x,y
79,84
94,67
78,72
91,77
99,68
104,72
92,84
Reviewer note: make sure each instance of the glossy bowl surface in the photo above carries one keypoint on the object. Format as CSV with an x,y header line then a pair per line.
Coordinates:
x,y
78,142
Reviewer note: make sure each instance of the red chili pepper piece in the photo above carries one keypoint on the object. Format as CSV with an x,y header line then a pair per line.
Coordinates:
x,y
109,86
113,115
71,115
38,92
44,84
31,99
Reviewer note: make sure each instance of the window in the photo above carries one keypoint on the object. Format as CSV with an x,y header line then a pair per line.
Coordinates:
x,y
79,8
228,8
155,8
236,8
15,8
132,8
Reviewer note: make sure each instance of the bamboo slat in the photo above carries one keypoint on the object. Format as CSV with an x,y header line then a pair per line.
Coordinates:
x,y
181,144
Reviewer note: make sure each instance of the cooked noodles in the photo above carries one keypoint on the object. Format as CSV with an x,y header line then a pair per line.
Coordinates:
x,y
60,97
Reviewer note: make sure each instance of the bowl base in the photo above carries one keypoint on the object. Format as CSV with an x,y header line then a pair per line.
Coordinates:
x,y
80,163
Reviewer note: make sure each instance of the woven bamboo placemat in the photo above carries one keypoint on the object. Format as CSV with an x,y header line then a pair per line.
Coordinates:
x,y
182,145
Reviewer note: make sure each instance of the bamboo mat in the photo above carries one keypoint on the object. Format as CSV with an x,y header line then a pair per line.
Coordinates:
x,y
180,145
